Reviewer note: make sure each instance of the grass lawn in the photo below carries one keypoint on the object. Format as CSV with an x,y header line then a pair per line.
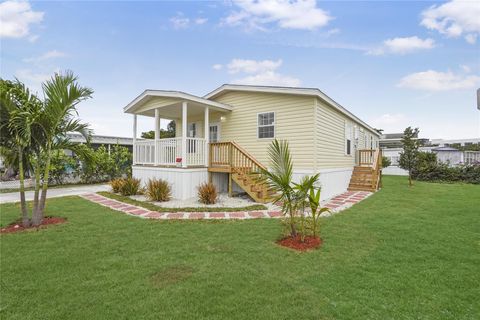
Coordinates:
x,y
404,253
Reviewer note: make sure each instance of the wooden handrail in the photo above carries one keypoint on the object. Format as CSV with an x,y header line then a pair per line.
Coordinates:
x,y
233,155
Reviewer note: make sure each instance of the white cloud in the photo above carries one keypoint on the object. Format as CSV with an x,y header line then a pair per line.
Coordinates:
x,y
180,21
16,18
46,56
259,72
403,45
201,20
269,78
287,14
33,80
389,119
438,81
253,66
454,19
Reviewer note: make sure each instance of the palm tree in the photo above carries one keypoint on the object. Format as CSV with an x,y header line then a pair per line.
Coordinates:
x,y
19,110
302,190
279,179
62,95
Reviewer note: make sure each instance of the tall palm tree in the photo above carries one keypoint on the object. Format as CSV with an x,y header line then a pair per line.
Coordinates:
x,y
62,95
19,110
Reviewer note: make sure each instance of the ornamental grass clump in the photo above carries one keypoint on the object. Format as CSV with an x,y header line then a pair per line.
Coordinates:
x,y
130,187
117,184
158,190
207,193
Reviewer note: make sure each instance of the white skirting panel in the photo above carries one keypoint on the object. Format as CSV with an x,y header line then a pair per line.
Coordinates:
x,y
333,181
184,182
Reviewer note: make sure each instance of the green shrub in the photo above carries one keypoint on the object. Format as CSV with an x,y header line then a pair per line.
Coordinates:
x,y
117,184
207,193
158,190
428,168
102,166
62,167
130,187
386,162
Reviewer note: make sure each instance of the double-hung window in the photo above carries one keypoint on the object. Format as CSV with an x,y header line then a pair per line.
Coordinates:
x,y
266,125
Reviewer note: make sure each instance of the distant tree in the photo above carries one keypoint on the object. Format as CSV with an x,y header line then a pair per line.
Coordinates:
x,y
409,155
386,162
169,133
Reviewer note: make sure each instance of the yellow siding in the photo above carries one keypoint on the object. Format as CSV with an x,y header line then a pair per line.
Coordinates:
x,y
330,137
293,122
214,117
156,102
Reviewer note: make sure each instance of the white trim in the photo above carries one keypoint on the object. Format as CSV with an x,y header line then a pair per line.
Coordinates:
x,y
269,125
177,95
184,134
288,90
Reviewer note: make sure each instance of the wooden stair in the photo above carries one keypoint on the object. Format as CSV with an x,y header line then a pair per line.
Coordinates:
x,y
242,168
367,175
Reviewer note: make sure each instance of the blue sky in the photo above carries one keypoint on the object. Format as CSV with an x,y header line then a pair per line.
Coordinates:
x,y
393,64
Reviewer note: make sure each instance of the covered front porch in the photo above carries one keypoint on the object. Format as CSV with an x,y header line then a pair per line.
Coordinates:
x,y
189,148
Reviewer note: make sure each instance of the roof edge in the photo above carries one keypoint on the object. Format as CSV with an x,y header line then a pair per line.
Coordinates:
x,y
290,90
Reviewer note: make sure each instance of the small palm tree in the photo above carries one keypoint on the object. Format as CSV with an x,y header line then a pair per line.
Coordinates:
x,y
302,189
279,179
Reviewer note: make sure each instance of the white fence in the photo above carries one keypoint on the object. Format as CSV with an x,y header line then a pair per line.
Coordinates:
x,y
471,157
165,152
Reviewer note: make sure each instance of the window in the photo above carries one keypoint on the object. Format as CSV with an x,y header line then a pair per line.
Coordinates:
x,y
192,130
213,133
348,138
191,133
266,125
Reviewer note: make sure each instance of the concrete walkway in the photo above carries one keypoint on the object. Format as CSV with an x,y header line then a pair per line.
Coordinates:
x,y
55,192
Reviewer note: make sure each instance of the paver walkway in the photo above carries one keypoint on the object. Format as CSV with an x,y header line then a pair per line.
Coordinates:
x,y
336,204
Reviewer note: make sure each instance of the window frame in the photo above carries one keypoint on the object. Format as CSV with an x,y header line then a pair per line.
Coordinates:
x,y
267,125
348,135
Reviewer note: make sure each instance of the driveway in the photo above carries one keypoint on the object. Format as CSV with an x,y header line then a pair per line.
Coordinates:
x,y
56,192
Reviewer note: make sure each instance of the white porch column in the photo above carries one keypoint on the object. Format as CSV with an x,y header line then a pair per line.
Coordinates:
x,y
134,138
206,133
184,134
157,136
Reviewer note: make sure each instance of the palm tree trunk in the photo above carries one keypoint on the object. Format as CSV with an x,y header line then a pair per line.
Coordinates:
x,y
43,197
23,202
35,213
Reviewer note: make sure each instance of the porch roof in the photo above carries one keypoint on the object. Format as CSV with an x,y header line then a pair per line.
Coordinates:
x,y
169,103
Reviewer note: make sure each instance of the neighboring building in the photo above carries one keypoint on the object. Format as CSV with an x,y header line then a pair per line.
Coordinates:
x,y
323,137
448,155
454,142
97,140
394,140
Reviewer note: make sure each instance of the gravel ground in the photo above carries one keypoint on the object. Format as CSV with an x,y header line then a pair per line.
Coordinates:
x,y
223,201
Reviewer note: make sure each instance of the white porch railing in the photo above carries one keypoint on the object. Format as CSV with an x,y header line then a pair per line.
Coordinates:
x,y
165,152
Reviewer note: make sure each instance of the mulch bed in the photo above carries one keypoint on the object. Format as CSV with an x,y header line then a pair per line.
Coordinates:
x,y
296,243
17,225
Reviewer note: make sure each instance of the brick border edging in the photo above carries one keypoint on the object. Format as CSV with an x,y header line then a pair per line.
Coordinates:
x,y
148,214
335,204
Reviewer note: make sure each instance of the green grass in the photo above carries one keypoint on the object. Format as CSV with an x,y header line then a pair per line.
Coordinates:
x,y
151,206
404,253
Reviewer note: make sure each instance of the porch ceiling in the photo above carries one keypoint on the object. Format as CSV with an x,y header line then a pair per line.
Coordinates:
x,y
169,104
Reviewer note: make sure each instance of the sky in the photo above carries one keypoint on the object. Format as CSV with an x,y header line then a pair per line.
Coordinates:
x,y
393,64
